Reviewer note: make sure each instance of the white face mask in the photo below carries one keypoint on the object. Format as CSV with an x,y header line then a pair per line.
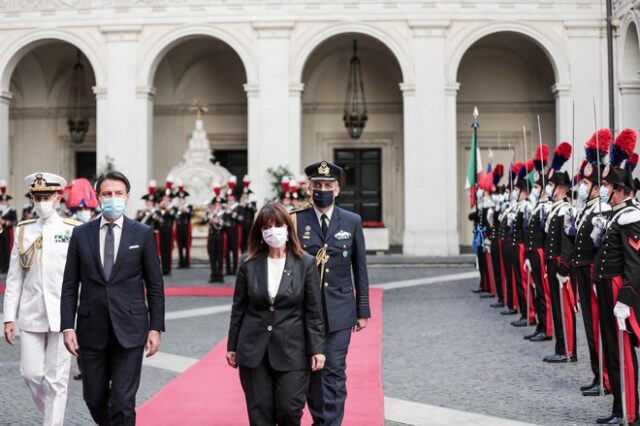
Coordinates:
x,y
83,216
549,191
515,194
479,194
276,236
44,209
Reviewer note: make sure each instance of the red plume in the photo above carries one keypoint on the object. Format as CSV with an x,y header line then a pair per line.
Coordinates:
x,y
564,150
542,153
626,140
217,189
605,137
530,166
516,168
486,182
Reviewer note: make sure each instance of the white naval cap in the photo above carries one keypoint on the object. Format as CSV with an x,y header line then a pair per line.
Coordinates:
x,y
43,182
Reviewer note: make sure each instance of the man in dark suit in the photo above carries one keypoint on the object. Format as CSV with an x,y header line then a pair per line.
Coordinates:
x,y
335,237
116,260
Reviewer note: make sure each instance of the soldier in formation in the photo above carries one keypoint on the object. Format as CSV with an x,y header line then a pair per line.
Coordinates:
x,y
572,244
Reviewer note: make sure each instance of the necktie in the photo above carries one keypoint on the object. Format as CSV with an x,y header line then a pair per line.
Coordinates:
x,y
109,248
325,224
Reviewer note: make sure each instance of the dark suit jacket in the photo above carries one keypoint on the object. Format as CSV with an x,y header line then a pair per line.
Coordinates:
x,y
121,299
346,268
291,329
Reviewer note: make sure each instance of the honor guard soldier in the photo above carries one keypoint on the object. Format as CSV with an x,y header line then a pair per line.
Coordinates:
x,y
506,224
557,250
494,228
584,252
168,215
216,236
534,247
521,216
8,220
248,210
335,237
480,227
184,214
150,215
232,219
34,283
617,278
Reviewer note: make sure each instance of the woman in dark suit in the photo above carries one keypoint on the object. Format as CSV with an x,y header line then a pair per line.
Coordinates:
x,y
276,335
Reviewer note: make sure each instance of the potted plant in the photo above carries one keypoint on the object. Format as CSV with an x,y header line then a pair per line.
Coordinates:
x,y
376,235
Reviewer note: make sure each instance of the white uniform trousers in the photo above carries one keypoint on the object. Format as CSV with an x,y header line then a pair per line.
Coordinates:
x,y
44,364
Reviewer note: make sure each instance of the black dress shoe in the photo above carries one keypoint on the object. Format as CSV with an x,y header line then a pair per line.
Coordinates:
x,y
478,290
508,312
497,305
486,296
540,337
590,385
519,323
595,391
556,359
530,336
611,420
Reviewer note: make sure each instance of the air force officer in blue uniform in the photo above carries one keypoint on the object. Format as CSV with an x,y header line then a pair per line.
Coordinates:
x,y
335,237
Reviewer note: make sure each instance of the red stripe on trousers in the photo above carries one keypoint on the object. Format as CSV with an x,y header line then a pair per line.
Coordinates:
x,y
630,375
595,318
490,271
547,292
503,275
514,291
524,274
569,308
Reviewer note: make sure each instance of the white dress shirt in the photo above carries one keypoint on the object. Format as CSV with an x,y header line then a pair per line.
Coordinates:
x,y
117,233
275,269
329,213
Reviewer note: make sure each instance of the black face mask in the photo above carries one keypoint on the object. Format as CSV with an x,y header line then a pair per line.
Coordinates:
x,y
323,199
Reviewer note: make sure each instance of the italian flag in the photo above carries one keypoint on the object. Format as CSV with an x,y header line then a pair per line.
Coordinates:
x,y
474,168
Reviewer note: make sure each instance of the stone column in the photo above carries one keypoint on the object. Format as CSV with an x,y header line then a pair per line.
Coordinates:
x,y
5,150
295,128
127,136
629,111
269,116
430,174
101,127
564,114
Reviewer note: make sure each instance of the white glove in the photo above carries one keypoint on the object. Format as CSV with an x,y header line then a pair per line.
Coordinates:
x,y
487,245
527,265
621,312
510,218
599,222
562,279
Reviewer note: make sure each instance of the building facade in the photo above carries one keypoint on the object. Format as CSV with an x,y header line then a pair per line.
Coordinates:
x,y
274,73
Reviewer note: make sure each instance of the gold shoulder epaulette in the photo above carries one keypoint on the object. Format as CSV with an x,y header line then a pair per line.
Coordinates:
x,y
26,222
71,222
300,209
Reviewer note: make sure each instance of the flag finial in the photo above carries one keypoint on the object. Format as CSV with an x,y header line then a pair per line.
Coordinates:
x,y
475,112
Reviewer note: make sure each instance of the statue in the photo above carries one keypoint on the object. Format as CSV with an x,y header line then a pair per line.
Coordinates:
x,y
196,169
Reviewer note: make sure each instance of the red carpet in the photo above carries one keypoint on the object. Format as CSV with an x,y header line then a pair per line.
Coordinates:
x,y
197,291
209,393
194,291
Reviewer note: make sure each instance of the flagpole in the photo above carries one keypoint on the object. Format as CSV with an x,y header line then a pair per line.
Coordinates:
x,y
475,124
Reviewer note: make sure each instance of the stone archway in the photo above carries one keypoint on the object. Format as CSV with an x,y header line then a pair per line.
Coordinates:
x,y
38,101
512,80
374,174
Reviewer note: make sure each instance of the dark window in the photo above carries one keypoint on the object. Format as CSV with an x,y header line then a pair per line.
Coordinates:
x,y
86,165
233,160
361,182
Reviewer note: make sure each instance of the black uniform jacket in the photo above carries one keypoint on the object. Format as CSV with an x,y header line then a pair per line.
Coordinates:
x,y
290,329
346,268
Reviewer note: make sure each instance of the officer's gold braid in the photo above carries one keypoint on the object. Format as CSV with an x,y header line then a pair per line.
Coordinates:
x,y
30,255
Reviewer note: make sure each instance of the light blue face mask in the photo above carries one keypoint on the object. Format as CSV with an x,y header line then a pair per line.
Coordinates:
x,y
604,194
113,208
583,192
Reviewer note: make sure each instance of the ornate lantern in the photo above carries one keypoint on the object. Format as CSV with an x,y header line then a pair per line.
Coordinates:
x,y
355,109
78,118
